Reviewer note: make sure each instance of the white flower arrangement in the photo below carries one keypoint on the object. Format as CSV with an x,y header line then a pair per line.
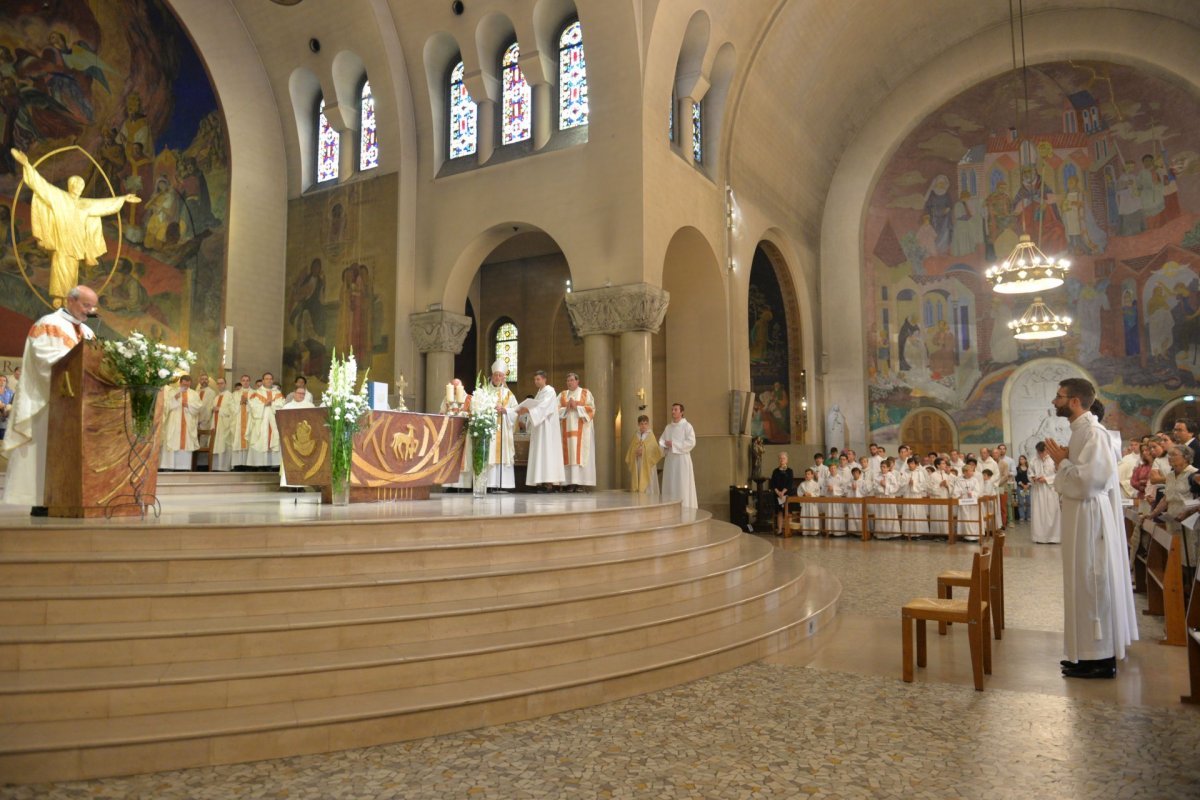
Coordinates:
x,y
140,361
345,411
482,422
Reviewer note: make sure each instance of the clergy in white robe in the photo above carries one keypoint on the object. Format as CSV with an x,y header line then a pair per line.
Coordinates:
x,y
1044,502
642,458
1100,616
501,456
300,399
677,441
220,421
242,422
49,339
577,414
264,434
545,437
181,417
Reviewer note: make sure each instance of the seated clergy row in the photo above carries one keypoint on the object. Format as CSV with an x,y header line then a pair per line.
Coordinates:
x,y
562,450
240,422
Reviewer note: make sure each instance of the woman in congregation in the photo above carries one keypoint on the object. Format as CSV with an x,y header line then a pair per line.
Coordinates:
x,y
1022,481
783,484
1045,505
1177,494
1140,479
810,521
916,517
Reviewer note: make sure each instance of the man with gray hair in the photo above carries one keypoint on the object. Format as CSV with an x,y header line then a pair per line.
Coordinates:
x,y
50,338
1100,617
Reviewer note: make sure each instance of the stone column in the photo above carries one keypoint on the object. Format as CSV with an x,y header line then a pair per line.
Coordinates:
x,y
634,312
440,336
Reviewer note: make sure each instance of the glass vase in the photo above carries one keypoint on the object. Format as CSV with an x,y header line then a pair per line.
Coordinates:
x,y
142,399
479,484
340,491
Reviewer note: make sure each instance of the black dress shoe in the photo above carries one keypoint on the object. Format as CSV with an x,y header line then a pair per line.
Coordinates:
x,y
39,511
1068,664
1090,671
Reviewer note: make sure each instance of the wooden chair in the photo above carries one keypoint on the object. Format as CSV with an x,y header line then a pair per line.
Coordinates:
x,y
973,611
947,580
206,450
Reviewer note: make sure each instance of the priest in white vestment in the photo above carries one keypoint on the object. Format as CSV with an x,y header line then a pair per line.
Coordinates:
x,y
1100,616
239,457
208,396
300,398
264,435
181,417
1043,501
50,338
577,413
545,438
502,453
223,414
677,441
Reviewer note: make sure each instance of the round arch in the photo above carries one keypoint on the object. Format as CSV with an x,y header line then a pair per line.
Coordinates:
x,y
1026,402
1187,405
797,374
472,255
928,428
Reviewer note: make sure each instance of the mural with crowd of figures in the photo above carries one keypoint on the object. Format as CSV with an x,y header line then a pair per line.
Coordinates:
x,y
769,364
1103,168
341,278
120,80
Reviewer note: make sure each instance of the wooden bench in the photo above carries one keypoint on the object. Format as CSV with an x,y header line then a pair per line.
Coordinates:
x,y
1193,644
1164,586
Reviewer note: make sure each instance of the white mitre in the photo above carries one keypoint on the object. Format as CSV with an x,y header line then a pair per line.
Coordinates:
x,y
498,366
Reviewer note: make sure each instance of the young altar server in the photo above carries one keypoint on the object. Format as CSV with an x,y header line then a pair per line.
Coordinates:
x,y
810,520
968,490
856,487
887,521
835,513
1044,502
940,486
642,458
545,437
180,422
677,441
915,516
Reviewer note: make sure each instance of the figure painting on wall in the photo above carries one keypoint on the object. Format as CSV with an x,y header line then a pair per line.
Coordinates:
x,y
769,361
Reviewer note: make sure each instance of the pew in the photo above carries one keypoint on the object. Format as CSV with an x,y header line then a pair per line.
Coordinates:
x,y
1193,643
1164,586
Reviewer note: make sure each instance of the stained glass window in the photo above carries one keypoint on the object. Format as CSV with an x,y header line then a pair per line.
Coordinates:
x,y
329,146
697,134
506,349
464,116
368,145
572,79
517,119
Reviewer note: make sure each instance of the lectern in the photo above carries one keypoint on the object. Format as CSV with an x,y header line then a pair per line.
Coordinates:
x,y
89,461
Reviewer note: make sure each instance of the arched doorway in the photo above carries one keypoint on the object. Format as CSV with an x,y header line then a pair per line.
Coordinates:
x,y
929,430
1185,407
773,316
1028,406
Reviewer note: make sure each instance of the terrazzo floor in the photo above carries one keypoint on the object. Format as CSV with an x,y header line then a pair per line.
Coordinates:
x,y
829,718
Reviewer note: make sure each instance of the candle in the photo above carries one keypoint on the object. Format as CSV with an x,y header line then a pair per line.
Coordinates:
x,y
449,392
460,394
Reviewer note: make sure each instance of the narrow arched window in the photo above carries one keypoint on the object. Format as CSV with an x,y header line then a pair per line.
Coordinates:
x,y
368,144
329,146
506,349
464,115
572,79
517,120
671,117
697,133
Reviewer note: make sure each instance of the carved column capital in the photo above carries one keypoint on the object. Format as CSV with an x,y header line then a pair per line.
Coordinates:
x,y
439,331
617,309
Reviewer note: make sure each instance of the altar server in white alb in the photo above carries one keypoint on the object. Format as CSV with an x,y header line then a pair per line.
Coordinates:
x,y
300,398
500,458
181,417
677,441
50,338
1044,514
577,412
1100,617
221,423
264,435
545,437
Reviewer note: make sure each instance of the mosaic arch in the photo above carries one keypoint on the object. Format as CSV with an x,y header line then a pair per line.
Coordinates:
x,y
1103,169
123,81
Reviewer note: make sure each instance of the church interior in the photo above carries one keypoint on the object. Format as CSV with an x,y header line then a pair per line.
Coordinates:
x,y
784,221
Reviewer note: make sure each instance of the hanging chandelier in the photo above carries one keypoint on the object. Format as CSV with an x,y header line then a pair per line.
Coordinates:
x,y
1039,322
1027,270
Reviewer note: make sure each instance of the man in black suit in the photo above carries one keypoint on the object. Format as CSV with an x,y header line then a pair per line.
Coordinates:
x,y
1184,433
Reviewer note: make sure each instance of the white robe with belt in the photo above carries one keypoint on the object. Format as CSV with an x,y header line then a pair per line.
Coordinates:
x,y
1043,502
1100,617
679,481
182,410
545,439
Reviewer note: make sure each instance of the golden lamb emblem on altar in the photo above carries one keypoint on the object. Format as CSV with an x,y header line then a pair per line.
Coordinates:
x,y
302,439
404,445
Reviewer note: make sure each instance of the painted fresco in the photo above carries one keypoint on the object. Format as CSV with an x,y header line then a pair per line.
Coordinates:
x,y
121,80
341,278
769,378
1103,169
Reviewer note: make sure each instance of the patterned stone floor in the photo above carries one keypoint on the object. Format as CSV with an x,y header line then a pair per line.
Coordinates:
x,y
777,729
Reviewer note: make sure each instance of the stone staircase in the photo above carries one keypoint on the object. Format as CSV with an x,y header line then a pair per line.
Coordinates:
x,y
129,649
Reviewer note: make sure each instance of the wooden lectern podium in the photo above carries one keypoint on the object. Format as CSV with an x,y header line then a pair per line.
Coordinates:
x,y
88,460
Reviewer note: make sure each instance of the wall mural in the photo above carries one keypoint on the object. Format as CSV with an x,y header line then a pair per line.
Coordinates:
x,y
1104,169
341,278
769,375
121,80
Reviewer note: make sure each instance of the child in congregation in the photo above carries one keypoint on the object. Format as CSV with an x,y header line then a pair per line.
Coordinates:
x,y
968,490
916,517
810,521
835,513
887,521
856,487
991,507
